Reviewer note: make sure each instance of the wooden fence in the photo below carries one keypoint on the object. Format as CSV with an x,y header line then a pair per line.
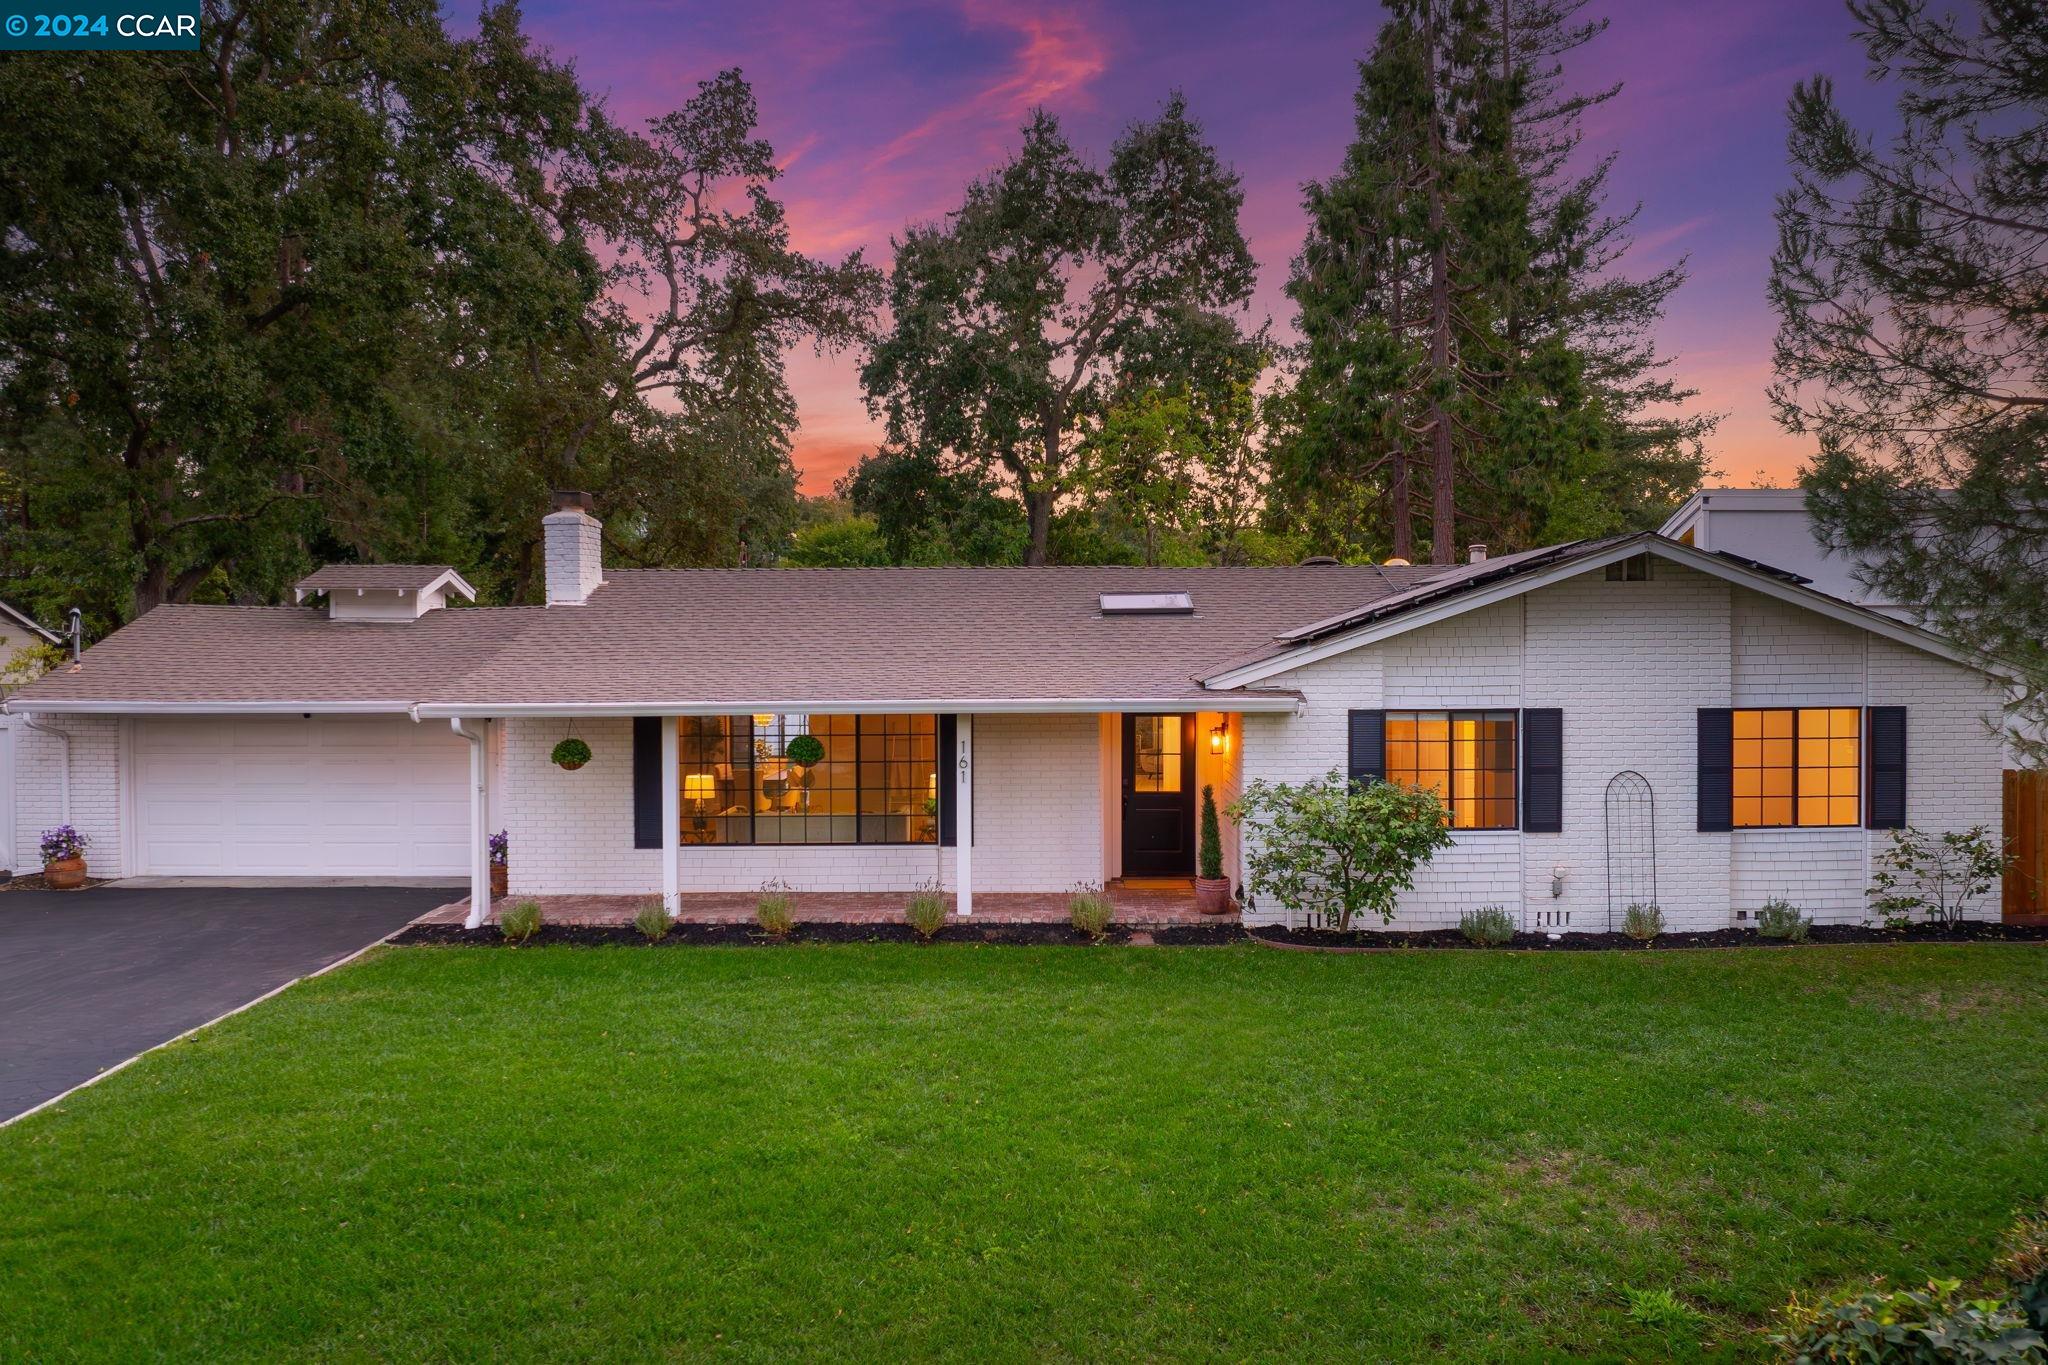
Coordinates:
x,y
2026,843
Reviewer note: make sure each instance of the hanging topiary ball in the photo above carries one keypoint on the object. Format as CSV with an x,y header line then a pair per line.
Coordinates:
x,y
805,750
571,754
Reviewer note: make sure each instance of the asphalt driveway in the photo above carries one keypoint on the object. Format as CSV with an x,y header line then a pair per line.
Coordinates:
x,y
90,978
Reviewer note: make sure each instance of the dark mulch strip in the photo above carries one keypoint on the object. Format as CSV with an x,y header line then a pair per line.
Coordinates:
x,y
750,936
33,881
1970,931
1202,935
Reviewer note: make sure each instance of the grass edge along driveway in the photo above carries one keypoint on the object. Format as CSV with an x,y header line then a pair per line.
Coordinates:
x,y
1007,1153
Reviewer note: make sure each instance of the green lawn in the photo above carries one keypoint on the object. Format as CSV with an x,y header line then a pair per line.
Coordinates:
x,y
887,1152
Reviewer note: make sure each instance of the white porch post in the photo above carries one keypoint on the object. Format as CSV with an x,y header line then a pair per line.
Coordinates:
x,y
671,819
479,823
963,816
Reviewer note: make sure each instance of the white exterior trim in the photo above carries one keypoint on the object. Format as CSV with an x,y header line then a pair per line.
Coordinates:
x,y
23,706
448,578
1770,586
479,823
1274,701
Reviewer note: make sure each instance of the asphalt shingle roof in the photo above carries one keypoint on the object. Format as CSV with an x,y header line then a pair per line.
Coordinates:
x,y
714,636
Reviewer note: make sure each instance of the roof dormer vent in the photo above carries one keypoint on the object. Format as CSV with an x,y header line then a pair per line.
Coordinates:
x,y
383,592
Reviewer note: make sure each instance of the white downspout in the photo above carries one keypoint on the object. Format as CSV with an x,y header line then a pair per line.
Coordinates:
x,y
64,768
479,819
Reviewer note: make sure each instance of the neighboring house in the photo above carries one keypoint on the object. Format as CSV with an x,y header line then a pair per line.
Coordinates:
x,y
1613,720
1770,526
17,632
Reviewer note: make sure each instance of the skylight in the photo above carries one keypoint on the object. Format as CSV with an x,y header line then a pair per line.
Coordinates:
x,y
1147,604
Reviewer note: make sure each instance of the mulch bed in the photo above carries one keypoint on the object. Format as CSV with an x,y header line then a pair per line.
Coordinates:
x,y
33,881
1970,931
1201,935
751,936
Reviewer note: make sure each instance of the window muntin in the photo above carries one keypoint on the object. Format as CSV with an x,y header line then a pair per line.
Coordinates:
x,y
1797,766
1465,757
1634,569
1155,754
877,782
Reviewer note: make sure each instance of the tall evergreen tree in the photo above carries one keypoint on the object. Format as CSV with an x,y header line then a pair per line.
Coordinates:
x,y
1460,304
1911,286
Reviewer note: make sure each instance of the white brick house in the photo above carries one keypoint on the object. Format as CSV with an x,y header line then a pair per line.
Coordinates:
x,y
1611,721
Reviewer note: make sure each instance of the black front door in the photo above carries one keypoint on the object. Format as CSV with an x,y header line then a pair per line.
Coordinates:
x,y
1159,796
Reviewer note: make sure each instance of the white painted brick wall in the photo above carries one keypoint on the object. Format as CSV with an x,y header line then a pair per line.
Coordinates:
x,y
95,789
1038,820
572,543
1631,664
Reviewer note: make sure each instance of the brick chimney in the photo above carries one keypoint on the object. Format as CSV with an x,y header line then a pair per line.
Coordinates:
x,y
574,542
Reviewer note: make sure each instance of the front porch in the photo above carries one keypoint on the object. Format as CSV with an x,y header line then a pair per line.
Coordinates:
x,y
1145,906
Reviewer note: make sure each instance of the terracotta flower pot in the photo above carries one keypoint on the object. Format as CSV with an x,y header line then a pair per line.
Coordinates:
x,y
497,880
571,767
1212,895
65,874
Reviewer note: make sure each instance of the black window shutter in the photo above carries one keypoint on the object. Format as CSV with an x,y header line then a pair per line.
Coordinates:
x,y
1367,760
1716,770
948,759
1884,806
647,780
1543,770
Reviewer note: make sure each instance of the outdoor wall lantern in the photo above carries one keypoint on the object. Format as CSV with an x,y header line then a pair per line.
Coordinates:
x,y
1219,738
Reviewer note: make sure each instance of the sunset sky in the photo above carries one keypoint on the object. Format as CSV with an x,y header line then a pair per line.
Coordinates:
x,y
881,111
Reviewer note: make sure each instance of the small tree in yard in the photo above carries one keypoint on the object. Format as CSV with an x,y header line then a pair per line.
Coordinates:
x,y
1938,874
1339,847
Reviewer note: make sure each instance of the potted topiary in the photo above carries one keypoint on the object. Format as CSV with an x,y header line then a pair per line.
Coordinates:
x,y
571,754
804,753
501,850
64,858
1212,888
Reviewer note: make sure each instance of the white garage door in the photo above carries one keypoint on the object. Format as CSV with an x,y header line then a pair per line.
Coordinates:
x,y
326,797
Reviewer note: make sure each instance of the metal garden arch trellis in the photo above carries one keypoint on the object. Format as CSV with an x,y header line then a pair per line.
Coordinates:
x,y
1631,843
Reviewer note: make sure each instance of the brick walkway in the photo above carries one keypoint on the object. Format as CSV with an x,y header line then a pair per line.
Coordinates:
x,y
1138,907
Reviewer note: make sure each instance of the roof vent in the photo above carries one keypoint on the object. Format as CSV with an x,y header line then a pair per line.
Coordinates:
x,y
1396,562
1477,554
1147,604
1318,560
383,592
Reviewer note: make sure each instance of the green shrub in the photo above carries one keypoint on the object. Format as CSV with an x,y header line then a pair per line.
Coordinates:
x,y
1664,1313
1781,919
652,921
1336,847
926,911
2024,1261
521,922
773,910
1489,926
1643,922
570,753
1211,853
1880,1326
1091,911
1936,875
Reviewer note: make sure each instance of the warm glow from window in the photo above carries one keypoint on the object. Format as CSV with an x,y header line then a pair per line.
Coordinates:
x,y
1156,755
1800,766
1465,757
876,783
